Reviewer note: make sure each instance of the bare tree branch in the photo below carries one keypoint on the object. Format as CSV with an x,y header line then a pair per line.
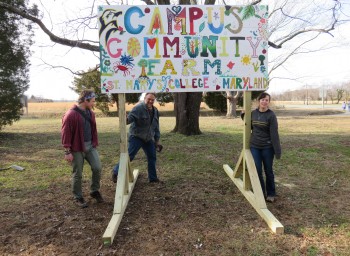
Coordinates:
x,y
77,73
335,21
291,54
54,38
256,2
148,2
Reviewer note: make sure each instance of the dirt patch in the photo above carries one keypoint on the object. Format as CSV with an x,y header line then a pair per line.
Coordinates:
x,y
195,218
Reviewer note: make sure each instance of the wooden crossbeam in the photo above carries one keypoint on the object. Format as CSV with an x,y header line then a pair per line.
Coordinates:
x,y
245,175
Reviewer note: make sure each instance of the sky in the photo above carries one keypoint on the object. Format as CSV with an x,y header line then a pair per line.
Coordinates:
x,y
50,81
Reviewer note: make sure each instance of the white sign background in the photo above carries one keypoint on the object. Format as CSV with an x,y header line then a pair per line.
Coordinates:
x,y
183,48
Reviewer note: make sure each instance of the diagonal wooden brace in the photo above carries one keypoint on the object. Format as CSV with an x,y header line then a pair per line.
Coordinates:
x,y
245,175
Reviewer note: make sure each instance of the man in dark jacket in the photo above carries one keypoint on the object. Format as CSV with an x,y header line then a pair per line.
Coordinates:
x,y
79,138
143,133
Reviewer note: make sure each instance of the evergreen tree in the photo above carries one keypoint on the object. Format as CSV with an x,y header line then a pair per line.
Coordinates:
x,y
15,40
216,100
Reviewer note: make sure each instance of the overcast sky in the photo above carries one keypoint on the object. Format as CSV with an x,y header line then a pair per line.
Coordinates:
x,y
312,69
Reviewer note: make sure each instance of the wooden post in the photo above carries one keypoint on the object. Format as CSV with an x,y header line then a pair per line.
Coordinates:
x,y
245,175
122,124
247,102
126,178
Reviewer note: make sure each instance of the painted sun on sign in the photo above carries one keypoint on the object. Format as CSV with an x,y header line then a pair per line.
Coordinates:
x,y
182,48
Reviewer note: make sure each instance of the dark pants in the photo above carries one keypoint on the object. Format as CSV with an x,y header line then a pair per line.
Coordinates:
x,y
150,150
265,157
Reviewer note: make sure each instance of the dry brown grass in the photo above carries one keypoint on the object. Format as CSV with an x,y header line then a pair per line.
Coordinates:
x,y
56,109
61,107
197,204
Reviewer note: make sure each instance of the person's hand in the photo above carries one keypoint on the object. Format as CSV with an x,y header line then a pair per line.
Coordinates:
x,y
159,148
68,158
278,157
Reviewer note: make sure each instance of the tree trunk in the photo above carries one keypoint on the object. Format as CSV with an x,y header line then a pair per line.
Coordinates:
x,y
232,98
115,99
186,106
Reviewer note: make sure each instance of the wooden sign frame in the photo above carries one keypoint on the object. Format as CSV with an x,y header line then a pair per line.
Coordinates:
x,y
126,178
245,175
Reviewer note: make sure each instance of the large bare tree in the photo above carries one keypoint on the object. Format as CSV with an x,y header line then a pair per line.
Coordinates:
x,y
292,27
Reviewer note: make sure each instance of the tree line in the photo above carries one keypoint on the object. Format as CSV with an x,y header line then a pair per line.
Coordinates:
x,y
329,93
291,24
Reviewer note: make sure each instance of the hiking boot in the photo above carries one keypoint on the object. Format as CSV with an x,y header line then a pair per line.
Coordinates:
x,y
270,199
154,181
96,195
81,202
114,177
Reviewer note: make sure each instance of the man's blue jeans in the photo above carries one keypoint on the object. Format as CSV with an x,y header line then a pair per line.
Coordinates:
x,y
149,148
265,157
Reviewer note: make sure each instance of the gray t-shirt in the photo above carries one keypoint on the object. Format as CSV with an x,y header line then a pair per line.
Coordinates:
x,y
265,131
87,127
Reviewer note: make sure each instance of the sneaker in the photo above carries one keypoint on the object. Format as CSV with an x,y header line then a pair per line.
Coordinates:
x,y
114,177
81,202
97,195
270,199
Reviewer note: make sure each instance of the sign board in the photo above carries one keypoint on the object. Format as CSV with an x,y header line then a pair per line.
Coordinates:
x,y
183,48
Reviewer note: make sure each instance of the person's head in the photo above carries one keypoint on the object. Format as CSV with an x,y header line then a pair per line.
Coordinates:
x,y
150,97
264,100
87,98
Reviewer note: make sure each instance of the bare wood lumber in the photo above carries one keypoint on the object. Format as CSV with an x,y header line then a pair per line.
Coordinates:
x,y
247,105
239,167
254,179
121,183
115,221
122,124
268,217
249,183
126,178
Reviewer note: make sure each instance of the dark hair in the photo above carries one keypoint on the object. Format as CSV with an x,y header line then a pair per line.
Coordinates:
x,y
86,94
150,93
263,95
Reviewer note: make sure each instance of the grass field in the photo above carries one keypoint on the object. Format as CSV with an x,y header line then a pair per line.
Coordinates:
x,y
197,211
56,109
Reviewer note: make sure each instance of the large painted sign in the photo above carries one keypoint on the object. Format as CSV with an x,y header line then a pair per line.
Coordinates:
x,y
183,48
